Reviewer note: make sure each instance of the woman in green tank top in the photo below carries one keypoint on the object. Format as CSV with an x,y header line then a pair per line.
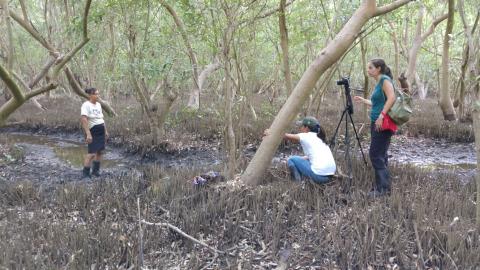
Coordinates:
x,y
381,101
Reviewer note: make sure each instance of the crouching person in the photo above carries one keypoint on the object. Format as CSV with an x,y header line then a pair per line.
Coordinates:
x,y
317,163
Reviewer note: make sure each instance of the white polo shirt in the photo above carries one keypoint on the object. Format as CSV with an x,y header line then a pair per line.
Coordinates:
x,y
93,112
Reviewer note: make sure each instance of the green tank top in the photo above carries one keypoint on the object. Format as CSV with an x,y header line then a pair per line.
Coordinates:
x,y
378,98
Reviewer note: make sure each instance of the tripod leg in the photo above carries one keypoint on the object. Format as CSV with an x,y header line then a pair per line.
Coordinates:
x,y
332,142
358,139
348,158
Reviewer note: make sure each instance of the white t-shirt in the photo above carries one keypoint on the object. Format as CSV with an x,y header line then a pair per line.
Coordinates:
x,y
319,154
93,112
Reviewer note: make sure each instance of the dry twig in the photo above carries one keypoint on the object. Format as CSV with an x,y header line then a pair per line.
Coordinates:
x,y
419,246
182,233
140,236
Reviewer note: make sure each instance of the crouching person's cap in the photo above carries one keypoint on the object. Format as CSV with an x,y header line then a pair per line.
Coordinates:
x,y
309,121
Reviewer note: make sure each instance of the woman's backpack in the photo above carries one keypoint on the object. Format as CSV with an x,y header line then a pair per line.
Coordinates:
x,y
401,110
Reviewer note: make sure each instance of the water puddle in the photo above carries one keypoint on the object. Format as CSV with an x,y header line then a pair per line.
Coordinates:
x,y
45,152
70,151
434,155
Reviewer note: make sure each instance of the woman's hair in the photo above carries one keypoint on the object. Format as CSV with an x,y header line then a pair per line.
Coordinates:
x,y
320,132
384,69
90,90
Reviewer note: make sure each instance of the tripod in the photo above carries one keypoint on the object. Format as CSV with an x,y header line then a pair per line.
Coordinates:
x,y
347,114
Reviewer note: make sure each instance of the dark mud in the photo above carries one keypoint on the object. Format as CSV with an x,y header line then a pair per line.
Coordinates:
x,y
57,158
435,155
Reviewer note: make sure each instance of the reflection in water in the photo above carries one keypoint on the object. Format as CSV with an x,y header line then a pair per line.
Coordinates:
x,y
69,151
73,155
453,167
426,153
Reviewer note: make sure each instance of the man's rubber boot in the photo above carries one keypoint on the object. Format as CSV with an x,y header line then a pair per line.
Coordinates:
x,y
86,173
96,168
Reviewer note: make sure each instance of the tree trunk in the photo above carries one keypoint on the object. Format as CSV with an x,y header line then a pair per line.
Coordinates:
x,y
67,11
422,91
327,57
282,25
417,44
445,101
194,100
476,129
10,54
471,55
168,98
460,99
396,48
476,73
78,90
8,25
19,98
363,50
228,90
468,65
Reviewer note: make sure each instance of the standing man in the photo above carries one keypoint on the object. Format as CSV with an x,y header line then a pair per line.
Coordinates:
x,y
95,133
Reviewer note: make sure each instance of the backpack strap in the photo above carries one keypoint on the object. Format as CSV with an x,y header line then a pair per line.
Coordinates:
x,y
385,77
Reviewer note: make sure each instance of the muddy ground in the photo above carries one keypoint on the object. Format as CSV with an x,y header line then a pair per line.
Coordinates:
x,y
57,157
54,158
250,224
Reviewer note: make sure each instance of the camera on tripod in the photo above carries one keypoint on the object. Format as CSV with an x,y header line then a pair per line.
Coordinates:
x,y
348,98
343,81
347,115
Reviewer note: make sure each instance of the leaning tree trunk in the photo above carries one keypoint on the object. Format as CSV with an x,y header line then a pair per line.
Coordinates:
x,y
327,57
445,101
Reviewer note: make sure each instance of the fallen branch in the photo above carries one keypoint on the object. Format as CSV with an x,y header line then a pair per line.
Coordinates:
x,y
182,233
248,230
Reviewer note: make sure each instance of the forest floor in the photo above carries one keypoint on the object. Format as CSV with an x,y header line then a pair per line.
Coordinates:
x,y
49,219
57,158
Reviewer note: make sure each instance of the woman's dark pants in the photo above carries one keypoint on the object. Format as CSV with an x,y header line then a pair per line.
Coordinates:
x,y
379,144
